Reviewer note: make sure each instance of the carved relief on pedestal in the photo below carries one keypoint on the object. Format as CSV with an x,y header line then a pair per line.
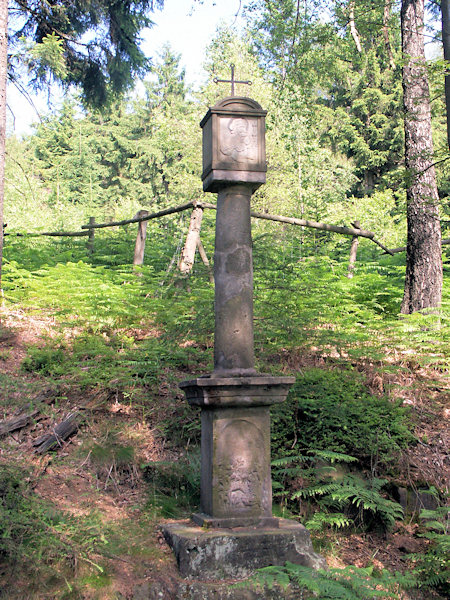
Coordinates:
x,y
239,139
240,467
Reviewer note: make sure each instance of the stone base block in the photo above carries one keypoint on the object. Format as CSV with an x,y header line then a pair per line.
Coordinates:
x,y
237,553
232,522
200,590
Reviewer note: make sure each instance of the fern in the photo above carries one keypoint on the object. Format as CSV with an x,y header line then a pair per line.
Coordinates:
x,y
350,583
320,520
353,489
334,456
433,567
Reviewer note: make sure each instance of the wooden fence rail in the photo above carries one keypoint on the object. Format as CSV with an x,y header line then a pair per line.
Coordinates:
x,y
193,241
136,219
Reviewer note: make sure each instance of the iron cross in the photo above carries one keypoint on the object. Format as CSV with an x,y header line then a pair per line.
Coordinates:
x,y
232,80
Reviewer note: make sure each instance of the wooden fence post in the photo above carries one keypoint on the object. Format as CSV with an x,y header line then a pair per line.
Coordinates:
x,y
140,239
353,251
193,235
205,260
91,237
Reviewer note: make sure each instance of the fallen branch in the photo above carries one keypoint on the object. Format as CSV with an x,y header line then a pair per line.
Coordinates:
x,y
444,242
18,422
51,234
60,433
353,231
160,213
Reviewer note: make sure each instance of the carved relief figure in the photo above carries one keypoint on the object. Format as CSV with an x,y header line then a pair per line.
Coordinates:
x,y
238,139
241,467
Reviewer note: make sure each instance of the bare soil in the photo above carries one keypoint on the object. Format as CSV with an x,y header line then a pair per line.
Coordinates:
x,y
71,479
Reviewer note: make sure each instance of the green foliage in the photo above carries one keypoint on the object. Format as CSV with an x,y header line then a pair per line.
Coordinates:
x,y
352,94
342,498
174,486
332,410
130,151
350,583
93,45
35,536
432,568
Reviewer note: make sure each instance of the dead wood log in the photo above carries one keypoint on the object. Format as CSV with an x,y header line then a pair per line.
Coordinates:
x,y
51,234
18,422
353,251
91,237
59,433
205,260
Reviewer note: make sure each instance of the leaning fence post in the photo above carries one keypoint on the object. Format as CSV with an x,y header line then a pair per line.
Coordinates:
x,y
140,239
91,237
188,254
205,260
353,251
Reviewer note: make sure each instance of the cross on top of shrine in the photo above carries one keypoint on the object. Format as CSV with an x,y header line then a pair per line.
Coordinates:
x,y
232,80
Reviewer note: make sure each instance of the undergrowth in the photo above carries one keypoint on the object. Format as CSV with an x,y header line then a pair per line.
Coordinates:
x,y
349,583
135,335
35,537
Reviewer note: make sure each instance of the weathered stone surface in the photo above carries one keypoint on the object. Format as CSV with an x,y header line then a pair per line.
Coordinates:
x,y
221,392
221,554
233,278
233,144
235,481
196,590
236,488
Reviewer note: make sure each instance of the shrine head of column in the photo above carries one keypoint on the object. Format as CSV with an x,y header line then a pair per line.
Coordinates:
x,y
234,149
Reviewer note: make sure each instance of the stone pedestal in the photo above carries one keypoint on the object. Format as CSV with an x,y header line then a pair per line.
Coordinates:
x,y
237,532
236,554
236,489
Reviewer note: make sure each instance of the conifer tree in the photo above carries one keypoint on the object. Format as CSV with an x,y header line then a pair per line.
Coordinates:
x,y
90,44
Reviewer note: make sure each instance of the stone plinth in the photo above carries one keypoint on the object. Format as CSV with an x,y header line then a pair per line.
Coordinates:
x,y
236,488
236,554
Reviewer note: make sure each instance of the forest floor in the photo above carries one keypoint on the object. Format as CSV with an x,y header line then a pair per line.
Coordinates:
x,y
133,556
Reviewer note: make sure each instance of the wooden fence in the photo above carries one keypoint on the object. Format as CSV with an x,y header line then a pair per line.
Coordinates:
x,y
193,242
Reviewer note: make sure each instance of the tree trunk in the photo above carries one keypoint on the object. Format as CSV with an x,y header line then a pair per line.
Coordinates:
x,y
353,30
387,43
91,238
3,77
423,282
445,8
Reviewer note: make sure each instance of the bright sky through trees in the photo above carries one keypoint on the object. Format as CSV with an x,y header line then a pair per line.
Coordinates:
x,y
187,25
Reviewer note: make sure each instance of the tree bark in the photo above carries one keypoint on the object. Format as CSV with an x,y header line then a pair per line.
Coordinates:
x,y
205,260
353,251
3,78
445,9
91,238
353,30
423,281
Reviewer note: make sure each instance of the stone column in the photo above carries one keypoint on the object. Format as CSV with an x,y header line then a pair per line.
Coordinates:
x,y
233,277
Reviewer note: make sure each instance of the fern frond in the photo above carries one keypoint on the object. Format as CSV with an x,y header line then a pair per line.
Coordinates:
x,y
320,520
333,456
